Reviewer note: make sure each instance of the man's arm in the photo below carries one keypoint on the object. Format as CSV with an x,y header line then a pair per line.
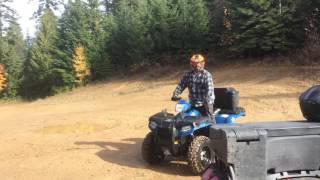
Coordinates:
x,y
210,88
181,86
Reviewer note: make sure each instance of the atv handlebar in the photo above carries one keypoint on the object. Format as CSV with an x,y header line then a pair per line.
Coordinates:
x,y
175,98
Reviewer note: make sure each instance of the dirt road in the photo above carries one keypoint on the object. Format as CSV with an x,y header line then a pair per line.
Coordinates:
x,y
95,132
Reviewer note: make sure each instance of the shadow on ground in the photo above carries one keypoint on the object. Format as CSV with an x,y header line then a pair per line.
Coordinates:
x,y
128,153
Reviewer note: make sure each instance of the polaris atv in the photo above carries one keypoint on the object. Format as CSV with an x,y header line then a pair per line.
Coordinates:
x,y
186,134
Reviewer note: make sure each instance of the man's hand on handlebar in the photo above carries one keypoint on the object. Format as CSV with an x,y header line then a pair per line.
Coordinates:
x,y
175,98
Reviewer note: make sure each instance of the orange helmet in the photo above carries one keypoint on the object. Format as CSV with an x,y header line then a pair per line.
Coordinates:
x,y
195,59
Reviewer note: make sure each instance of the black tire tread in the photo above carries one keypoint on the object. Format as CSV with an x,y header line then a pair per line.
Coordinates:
x,y
193,154
148,150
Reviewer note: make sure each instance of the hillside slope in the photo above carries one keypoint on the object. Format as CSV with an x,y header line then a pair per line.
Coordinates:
x,y
95,132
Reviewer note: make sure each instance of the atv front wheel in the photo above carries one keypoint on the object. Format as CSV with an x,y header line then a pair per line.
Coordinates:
x,y
200,155
149,151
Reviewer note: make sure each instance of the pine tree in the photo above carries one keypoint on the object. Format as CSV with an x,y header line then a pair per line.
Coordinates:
x,y
260,27
311,12
81,23
6,13
14,58
73,30
37,80
99,34
110,6
159,26
74,27
130,41
45,5
82,72
216,9
11,48
191,25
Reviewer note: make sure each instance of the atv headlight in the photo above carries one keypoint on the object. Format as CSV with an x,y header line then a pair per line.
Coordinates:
x,y
152,125
179,108
186,128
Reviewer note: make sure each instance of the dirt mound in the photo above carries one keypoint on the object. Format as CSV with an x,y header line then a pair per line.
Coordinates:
x,y
95,132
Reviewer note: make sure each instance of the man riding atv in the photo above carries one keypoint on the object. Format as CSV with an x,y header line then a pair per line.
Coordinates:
x,y
186,133
200,85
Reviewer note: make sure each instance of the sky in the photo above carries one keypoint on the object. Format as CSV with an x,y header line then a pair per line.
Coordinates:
x,y
25,10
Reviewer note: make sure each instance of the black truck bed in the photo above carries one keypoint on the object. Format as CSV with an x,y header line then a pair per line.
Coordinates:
x,y
269,150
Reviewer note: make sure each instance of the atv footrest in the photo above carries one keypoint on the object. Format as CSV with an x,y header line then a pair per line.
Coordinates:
x,y
265,149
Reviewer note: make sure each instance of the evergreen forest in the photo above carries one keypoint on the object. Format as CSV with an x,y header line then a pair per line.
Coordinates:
x,y
92,40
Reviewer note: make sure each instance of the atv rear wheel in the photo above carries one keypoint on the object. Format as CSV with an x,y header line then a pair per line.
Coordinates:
x,y
200,155
149,151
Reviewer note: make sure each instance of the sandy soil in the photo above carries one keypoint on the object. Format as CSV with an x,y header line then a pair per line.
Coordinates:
x,y
95,132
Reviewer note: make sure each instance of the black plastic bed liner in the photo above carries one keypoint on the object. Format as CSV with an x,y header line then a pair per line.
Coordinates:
x,y
269,150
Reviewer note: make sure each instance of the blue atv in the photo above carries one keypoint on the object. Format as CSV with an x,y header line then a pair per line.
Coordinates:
x,y
186,134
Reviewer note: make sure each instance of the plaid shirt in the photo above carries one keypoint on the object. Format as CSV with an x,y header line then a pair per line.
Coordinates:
x,y
200,86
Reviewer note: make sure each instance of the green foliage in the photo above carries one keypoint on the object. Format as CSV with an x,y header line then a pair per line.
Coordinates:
x,y
37,79
11,49
83,23
130,42
99,33
103,68
159,30
61,73
260,27
6,14
189,26
216,24
73,28
13,59
45,5
128,35
110,6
